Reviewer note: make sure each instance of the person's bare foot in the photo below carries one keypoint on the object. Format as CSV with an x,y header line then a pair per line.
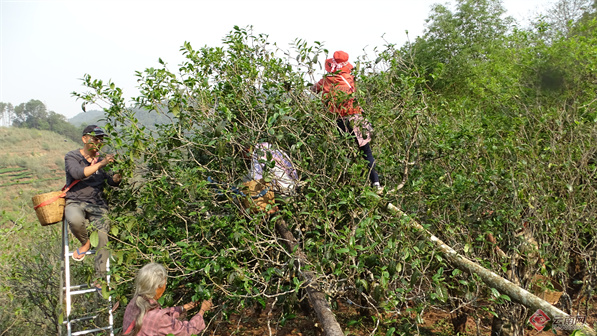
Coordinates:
x,y
79,254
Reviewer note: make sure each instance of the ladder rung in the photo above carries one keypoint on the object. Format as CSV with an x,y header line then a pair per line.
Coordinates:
x,y
90,331
82,291
80,319
76,287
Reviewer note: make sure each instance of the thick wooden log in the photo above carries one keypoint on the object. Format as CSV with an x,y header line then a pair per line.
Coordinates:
x,y
490,278
317,298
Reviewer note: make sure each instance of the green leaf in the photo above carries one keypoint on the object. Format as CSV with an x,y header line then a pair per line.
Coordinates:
x,y
176,111
119,255
342,250
94,239
105,292
442,293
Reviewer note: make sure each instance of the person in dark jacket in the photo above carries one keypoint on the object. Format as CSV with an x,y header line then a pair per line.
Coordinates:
x,y
84,200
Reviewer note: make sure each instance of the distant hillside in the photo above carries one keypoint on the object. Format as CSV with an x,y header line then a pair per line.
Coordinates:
x,y
31,162
86,118
148,119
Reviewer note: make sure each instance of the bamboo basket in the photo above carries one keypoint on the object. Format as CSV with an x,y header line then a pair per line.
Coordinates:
x,y
538,284
51,213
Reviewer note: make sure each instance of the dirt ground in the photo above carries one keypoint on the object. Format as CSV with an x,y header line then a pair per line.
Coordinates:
x,y
435,322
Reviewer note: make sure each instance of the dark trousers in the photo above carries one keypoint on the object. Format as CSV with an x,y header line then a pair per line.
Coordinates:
x,y
345,127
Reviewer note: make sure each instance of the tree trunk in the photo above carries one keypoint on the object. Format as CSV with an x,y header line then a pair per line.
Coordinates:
x,y
493,280
316,297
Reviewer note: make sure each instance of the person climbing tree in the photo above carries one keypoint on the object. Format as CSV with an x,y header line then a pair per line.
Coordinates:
x,y
338,89
271,174
283,174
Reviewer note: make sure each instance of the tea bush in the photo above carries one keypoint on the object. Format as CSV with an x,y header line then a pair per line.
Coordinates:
x,y
464,166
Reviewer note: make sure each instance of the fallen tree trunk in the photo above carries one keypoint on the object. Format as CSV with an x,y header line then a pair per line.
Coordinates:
x,y
317,298
493,280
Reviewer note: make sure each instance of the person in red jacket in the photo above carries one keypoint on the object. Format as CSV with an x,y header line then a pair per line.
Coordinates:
x,y
338,89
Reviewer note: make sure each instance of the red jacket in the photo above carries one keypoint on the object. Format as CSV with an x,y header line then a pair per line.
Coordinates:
x,y
338,86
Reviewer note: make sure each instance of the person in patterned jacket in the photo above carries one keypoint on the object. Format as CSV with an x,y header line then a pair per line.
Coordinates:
x,y
145,317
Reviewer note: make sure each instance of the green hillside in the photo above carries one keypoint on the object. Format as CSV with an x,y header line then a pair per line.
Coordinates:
x,y
31,163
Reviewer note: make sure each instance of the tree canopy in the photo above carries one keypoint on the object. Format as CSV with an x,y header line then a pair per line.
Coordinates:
x,y
34,114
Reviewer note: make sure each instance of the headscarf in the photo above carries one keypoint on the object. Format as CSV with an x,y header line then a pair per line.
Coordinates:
x,y
338,62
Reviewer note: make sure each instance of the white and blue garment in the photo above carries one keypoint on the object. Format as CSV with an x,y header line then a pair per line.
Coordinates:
x,y
283,175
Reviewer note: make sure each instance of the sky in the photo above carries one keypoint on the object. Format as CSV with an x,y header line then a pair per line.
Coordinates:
x,y
47,46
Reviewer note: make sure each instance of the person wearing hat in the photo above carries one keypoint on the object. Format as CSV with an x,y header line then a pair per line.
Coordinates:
x,y
84,200
338,94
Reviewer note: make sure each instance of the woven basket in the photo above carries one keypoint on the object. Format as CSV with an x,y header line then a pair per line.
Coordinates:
x,y
51,213
538,284
256,204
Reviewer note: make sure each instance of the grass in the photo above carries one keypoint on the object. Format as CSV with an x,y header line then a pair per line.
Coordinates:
x,y
30,182
10,170
31,163
31,154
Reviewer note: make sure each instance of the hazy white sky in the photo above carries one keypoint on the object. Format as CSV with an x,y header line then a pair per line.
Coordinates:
x,y
47,46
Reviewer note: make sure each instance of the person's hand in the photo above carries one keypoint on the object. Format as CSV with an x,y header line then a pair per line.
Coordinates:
x,y
205,306
116,178
190,305
109,158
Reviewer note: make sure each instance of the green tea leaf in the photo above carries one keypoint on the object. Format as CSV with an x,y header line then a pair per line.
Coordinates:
x,y
94,239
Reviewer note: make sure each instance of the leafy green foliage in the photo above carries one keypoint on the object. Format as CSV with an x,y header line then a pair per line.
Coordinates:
x,y
482,127
227,99
455,43
466,166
